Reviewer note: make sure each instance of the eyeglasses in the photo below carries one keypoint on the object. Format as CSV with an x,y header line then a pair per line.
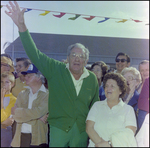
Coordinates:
x,y
130,78
80,56
6,65
122,60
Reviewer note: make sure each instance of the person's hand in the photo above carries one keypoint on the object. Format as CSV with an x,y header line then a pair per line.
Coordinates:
x,y
4,126
16,15
103,143
7,122
44,118
132,88
13,109
3,92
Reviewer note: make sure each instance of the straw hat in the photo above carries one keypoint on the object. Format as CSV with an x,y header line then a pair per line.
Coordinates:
x,y
9,62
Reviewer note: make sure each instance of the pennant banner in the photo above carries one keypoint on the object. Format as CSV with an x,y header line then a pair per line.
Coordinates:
x,y
122,21
89,17
136,21
60,15
73,18
28,10
46,12
104,20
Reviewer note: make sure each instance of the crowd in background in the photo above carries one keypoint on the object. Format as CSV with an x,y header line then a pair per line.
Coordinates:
x,y
133,96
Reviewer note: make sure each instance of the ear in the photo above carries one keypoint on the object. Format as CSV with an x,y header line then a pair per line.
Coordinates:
x,y
68,59
128,64
86,61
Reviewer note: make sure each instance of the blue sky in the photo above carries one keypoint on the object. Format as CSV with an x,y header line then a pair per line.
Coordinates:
x,y
138,10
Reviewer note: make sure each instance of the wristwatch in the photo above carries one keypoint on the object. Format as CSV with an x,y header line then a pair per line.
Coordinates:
x,y
109,142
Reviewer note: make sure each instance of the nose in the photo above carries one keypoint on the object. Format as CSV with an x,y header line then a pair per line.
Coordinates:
x,y
77,57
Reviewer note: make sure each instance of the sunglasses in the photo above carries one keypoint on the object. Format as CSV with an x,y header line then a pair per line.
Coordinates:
x,y
122,60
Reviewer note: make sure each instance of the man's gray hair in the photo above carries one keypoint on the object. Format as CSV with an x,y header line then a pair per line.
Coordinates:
x,y
39,75
78,45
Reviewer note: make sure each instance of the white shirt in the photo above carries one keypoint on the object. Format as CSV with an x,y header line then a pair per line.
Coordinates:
x,y
142,136
107,120
27,128
78,83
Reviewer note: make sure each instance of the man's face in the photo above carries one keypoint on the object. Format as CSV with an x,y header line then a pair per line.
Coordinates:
x,y
31,79
5,67
144,70
20,67
77,61
121,65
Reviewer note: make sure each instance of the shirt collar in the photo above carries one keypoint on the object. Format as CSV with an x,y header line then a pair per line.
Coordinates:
x,y
85,72
121,103
42,88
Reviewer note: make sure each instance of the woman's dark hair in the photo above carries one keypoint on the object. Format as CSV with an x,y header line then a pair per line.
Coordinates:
x,y
121,82
103,66
26,61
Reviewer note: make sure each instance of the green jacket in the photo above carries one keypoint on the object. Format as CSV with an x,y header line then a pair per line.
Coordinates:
x,y
31,116
65,107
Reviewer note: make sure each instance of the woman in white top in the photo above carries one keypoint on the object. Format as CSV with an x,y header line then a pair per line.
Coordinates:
x,y
112,122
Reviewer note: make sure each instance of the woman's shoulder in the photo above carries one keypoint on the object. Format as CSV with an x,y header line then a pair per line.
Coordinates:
x,y
128,107
99,103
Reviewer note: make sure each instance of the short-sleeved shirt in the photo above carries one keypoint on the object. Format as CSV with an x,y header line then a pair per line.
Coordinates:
x,y
108,121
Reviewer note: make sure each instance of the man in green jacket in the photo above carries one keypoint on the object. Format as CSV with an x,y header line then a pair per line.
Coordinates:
x,y
72,88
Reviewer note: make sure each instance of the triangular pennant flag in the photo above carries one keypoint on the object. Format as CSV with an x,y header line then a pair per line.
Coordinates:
x,y
46,12
136,20
73,18
28,10
122,21
106,18
60,15
89,18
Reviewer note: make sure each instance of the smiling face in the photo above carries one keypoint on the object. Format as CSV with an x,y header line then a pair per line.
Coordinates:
x,y
121,65
144,70
132,82
77,61
112,90
20,67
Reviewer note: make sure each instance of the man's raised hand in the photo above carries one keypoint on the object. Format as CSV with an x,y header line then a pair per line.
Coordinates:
x,y
17,15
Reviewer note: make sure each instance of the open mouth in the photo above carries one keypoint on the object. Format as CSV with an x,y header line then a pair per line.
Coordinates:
x,y
76,64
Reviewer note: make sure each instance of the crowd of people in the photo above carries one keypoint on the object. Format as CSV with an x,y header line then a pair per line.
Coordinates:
x,y
46,102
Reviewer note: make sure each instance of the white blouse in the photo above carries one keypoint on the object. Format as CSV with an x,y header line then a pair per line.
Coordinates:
x,y
107,121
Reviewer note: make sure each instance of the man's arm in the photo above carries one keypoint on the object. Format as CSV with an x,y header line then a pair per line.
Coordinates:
x,y
25,114
45,64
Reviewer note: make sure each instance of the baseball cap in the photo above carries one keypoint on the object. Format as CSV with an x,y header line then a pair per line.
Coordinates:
x,y
8,61
32,69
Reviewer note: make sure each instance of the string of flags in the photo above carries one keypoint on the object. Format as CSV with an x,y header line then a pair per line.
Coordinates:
x,y
88,17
